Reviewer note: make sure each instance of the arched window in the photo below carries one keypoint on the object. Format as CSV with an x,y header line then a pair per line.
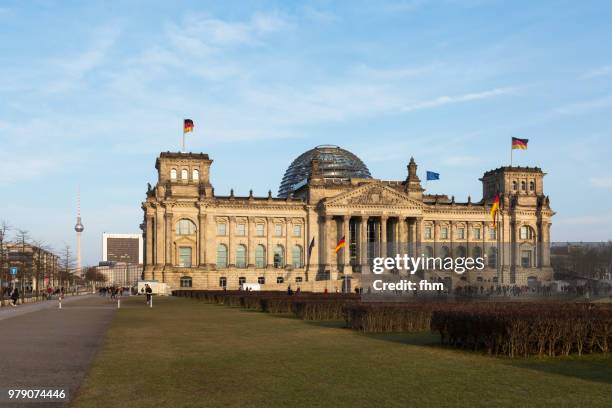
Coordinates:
x,y
241,256
460,251
296,256
185,227
492,255
279,257
527,257
221,256
526,232
184,174
445,252
532,185
185,257
260,256
515,185
476,252
173,174
196,174
523,186
186,282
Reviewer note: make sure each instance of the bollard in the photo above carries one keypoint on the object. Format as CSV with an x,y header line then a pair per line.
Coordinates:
x,y
60,302
118,303
151,301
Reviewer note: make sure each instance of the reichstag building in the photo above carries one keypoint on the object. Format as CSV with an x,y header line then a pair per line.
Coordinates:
x,y
195,238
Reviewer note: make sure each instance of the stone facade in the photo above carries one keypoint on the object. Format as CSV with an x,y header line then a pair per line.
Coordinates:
x,y
194,238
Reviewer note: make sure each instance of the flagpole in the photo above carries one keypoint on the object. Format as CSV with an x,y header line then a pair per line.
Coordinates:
x,y
183,141
511,152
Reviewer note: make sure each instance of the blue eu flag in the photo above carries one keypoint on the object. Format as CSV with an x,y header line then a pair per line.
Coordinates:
x,y
433,176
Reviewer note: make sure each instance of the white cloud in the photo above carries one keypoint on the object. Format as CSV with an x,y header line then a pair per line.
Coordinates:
x,y
318,15
68,72
583,107
447,100
601,182
19,169
597,72
584,220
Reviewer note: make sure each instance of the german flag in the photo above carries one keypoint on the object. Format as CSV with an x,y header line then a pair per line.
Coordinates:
x,y
495,208
341,244
188,126
520,144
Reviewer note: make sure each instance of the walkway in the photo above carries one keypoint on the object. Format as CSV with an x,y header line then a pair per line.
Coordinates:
x,y
45,347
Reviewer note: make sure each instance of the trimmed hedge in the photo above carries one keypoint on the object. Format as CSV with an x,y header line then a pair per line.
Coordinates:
x,y
500,328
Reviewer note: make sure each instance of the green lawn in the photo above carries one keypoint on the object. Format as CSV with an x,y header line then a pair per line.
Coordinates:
x,y
184,353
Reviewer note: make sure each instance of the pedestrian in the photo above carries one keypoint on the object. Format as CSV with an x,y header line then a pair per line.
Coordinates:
x,y
14,297
149,293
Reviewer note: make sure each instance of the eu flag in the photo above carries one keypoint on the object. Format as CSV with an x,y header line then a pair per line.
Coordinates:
x,y
432,176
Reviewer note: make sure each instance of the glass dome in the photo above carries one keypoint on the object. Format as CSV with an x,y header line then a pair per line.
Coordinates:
x,y
334,163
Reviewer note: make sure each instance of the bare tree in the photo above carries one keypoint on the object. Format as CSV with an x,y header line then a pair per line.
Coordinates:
x,y
4,229
66,266
21,238
40,261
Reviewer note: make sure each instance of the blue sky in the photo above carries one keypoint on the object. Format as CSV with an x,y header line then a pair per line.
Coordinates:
x,y
91,93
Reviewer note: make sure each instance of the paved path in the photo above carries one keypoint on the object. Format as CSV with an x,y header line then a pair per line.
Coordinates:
x,y
7,312
43,346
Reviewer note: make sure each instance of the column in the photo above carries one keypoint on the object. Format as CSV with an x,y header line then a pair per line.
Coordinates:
x,y
160,240
383,235
269,249
210,241
363,241
418,228
150,242
168,234
347,236
403,234
202,238
251,242
288,251
330,254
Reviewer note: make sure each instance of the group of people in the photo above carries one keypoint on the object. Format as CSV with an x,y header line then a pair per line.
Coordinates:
x,y
14,294
113,291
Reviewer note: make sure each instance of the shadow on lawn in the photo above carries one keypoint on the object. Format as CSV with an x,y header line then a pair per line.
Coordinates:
x,y
595,367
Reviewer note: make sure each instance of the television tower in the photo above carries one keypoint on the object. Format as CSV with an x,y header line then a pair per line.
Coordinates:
x,y
78,228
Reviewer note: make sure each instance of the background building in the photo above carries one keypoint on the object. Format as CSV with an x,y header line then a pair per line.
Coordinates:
x,y
195,238
124,248
37,267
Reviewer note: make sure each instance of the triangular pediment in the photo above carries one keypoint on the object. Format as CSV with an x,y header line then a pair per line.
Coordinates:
x,y
373,195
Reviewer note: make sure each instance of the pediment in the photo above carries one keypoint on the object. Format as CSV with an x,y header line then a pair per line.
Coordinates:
x,y
373,195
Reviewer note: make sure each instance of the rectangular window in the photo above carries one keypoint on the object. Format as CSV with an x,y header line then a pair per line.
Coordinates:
x,y
241,230
222,282
297,230
526,259
259,230
241,280
221,229
278,230
444,233
492,234
476,233
185,257
428,234
261,280
460,233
